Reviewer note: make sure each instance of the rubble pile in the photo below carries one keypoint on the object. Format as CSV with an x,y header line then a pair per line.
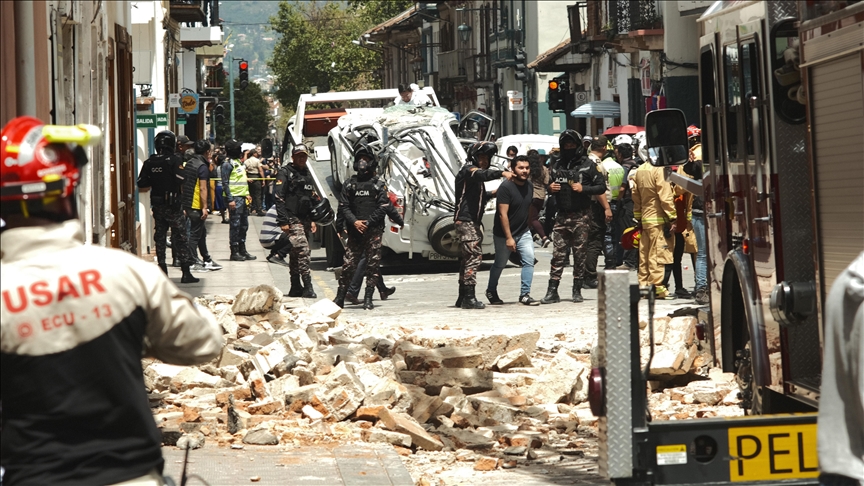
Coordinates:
x,y
293,376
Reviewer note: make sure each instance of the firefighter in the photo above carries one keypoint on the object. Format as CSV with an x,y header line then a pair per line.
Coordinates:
x,y
363,206
575,179
295,194
236,188
471,199
654,212
162,176
76,320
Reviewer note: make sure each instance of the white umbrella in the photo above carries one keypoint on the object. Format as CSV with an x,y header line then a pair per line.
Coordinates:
x,y
247,146
597,109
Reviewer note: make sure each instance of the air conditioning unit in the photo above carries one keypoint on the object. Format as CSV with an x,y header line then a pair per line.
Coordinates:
x,y
581,98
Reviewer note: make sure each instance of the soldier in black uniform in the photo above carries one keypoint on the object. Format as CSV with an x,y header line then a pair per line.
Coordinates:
x,y
574,179
295,195
362,205
162,175
471,199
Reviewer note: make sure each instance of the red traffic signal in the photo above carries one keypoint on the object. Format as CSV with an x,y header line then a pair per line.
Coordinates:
x,y
244,65
244,74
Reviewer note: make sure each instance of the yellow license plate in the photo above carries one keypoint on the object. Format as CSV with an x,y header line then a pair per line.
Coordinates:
x,y
773,452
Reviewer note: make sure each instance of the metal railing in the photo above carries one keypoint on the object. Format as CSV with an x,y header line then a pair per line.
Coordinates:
x,y
630,15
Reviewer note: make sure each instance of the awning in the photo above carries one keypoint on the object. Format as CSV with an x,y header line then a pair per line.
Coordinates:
x,y
624,130
598,109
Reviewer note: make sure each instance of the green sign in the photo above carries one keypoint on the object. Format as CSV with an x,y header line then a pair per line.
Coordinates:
x,y
145,121
162,119
181,121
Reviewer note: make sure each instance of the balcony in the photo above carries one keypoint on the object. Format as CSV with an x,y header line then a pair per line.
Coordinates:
x,y
191,37
451,65
192,11
636,26
481,72
502,47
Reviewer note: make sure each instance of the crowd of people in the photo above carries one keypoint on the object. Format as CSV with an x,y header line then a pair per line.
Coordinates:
x,y
588,197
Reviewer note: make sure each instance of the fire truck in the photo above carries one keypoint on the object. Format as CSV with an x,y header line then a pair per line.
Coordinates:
x,y
782,98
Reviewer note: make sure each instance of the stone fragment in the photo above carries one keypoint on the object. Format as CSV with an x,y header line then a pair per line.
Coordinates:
x,y
387,437
515,450
227,321
298,340
510,464
231,357
269,356
312,414
280,387
343,392
512,359
558,379
532,454
257,300
304,376
400,422
465,439
370,414
268,407
159,375
326,307
422,359
471,380
384,347
491,343
486,464
260,436
194,440
193,378
259,388
668,361
239,393
304,394
191,414
426,408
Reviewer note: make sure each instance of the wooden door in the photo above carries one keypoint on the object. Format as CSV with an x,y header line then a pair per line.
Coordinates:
x,y
123,234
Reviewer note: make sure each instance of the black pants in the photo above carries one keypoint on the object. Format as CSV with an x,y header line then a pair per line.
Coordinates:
x,y
625,220
282,245
357,281
255,192
596,239
197,234
674,269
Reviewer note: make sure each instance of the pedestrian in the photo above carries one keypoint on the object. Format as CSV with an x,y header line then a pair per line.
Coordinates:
x,y
512,152
624,215
236,189
654,211
295,195
601,210
75,410
410,94
255,176
575,179
539,181
218,198
162,175
196,183
841,403
511,233
274,239
471,200
363,204
693,168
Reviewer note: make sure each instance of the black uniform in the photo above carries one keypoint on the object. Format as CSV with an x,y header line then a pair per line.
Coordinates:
x,y
163,174
295,195
363,200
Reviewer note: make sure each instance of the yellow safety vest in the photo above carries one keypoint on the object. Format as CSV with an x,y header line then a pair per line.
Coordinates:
x,y
237,182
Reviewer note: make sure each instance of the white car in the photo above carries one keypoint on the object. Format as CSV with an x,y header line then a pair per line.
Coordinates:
x,y
525,142
419,156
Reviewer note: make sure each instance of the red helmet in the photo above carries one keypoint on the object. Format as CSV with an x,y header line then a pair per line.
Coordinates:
x,y
40,162
630,238
693,131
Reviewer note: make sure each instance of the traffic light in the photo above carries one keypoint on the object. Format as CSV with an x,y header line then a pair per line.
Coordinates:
x,y
244,74
558,90
220,113
521,66
266,148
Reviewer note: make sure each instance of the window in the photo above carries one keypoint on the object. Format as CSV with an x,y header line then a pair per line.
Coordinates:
x,y
733,99
707,80
785,74
751,88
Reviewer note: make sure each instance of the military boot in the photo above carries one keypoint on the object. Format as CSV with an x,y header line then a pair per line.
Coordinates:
x,y
551,293
469,300
296,287
245,254
235,254
367,299
461,295
340,296
308,291
163,267
577,291
187,276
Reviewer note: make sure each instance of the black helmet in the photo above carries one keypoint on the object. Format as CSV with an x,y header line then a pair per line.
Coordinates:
x,y
481,148
165,142
571,136
322,213
232,149
360,150
568,155
201,147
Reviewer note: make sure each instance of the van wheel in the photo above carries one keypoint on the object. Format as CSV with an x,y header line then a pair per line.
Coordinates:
x,y
442,236
333,247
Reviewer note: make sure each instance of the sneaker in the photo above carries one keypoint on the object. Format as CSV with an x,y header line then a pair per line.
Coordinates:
x,y
212,266
702,297
683,294
278,260
199,268
527,300
546,242
537,238
492,297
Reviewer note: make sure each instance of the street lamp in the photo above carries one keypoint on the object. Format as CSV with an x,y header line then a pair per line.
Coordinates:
x,y
464,32
417,63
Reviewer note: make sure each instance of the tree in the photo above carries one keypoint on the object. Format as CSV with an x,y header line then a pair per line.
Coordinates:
x,y
252,117
377,11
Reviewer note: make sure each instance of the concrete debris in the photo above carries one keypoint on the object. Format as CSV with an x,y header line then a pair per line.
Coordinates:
x,y
487,400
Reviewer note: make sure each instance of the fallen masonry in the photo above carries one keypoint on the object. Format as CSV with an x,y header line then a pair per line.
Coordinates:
x,y
292,376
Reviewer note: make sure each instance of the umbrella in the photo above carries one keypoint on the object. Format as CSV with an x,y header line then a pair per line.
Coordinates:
x,y
624,130
598,109
247,146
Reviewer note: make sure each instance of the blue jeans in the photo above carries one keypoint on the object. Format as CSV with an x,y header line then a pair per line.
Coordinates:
x,y
525,248
700,268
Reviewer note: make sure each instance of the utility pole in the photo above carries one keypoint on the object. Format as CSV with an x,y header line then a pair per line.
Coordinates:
x,y
231,91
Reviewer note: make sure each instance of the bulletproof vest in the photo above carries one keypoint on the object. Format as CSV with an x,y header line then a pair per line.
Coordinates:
x,y
562,175
298,193
364,198
164,179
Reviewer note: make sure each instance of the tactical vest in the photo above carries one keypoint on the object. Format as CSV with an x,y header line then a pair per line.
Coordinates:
x,y
364,198
298,193
191,184
165,179
564,197
237,179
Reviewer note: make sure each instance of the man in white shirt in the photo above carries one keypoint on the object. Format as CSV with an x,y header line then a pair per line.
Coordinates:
x,y
411,95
